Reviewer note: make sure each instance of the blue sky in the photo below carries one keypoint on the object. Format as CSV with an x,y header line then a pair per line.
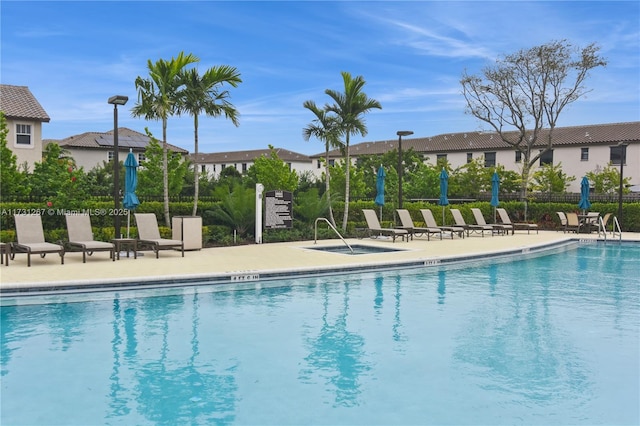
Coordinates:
x,y
74,55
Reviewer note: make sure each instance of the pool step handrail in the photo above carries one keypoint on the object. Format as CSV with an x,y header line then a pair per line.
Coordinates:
x,y
616,225
601,228
334,230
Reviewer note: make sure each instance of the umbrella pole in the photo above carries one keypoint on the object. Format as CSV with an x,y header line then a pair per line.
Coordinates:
x,y
128,222
443,224
380,214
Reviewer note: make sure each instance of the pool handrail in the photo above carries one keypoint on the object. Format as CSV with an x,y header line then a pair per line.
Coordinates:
x,y
334,230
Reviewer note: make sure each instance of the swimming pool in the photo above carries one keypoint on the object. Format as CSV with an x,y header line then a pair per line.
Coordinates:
x,y
540,340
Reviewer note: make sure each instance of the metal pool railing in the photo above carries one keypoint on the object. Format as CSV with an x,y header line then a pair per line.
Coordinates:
x,y
334,230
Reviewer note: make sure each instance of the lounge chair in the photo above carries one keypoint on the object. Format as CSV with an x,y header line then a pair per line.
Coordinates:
x,y
374,227
573,223
505,219
459,220
563,220
30,238
496,228
602,223
407,224
149,234
81,237
430,221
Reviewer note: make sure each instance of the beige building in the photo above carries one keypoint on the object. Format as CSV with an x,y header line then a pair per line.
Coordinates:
x,y
580,149
24,116
92,149
214,163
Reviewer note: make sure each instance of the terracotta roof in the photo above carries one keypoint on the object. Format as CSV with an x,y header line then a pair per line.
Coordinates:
x,y
127,138
18,102
603,134
244,156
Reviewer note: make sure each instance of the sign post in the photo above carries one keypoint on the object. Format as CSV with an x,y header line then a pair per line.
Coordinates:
x,y
259,191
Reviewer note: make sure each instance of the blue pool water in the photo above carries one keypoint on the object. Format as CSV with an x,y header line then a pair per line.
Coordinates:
x,y
545,340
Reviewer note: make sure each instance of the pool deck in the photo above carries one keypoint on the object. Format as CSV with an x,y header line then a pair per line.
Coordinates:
x,y
251,262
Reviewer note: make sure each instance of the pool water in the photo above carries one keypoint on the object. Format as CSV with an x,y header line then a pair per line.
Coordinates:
x,y
545,340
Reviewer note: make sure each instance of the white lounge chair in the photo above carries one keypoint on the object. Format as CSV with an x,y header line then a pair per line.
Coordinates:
x,y
374,227
496,228
30,238
459,220
504,217
563,221
407,224
149,234
573,223
430,221
81,237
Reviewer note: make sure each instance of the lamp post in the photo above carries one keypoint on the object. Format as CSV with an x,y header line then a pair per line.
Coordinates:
x,y
623,158
115,101
400,134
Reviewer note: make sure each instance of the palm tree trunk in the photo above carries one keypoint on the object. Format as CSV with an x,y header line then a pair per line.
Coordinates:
x,y
196,171
346,186
165,174
328,186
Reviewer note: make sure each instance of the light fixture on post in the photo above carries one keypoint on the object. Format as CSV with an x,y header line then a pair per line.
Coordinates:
x,y
115,101
400,134
623,158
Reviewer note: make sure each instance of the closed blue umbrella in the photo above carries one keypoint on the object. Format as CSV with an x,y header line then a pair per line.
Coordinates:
x,y
444,189
584,203
495,189
381,175
130,200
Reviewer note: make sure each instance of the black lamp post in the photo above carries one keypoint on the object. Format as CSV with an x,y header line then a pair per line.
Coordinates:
x,y
115,101
623,158
400,134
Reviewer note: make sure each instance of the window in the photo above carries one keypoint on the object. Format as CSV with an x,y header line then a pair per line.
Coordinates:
x,y
214,168
222,166
141,157
615,155
584,154
244,168
319,163
203,168
441,157
489,159
289,164
518,157
110,156
23,134
332,162
469,157
546,157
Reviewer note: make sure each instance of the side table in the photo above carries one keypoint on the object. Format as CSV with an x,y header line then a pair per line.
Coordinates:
x,y
128,243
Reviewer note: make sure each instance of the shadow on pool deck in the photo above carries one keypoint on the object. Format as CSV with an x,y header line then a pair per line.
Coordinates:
x,y
249,261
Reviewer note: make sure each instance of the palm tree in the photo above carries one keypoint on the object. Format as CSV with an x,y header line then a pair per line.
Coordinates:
x,y
325,128
350,107
201,95
157,100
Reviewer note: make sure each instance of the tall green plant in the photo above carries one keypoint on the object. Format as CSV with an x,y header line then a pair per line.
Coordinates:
x,y
151,170
203,95
11,179
325,127
350,107
158,100
273,173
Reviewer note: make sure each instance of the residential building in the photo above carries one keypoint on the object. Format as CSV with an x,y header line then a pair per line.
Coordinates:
x,y
214,163
24,116
92,149
580,149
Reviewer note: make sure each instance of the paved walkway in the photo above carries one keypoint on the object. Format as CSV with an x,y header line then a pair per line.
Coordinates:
x,y
250,261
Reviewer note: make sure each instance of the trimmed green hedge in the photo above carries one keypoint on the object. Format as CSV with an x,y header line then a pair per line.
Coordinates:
x,y
544,214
